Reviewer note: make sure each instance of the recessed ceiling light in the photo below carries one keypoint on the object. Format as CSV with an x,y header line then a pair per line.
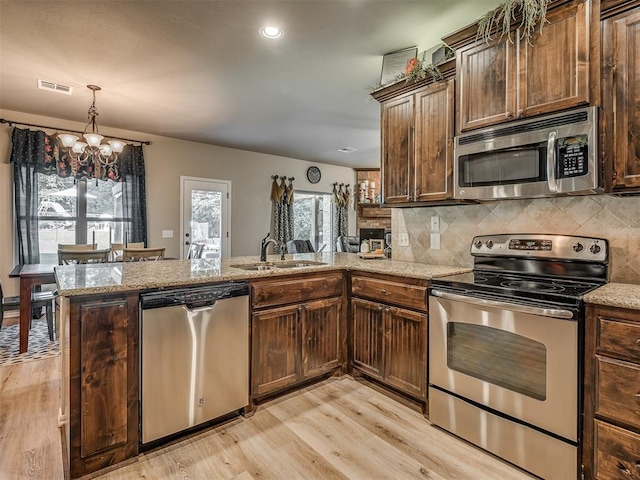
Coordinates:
x,y
272,33
347,150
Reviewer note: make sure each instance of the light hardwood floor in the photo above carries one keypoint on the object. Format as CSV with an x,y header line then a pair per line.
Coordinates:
x,y
337,429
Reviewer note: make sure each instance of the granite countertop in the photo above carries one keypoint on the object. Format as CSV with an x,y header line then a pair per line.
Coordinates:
x,y
623,295
92,279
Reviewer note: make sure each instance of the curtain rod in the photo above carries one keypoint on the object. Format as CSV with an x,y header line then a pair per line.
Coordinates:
x,y
11,123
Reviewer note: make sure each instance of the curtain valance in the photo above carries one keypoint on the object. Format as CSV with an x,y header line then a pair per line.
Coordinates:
x,y
46,154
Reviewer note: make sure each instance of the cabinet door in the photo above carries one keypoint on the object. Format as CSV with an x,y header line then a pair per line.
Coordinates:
x,y
274,358
321,337
434,142
108,382
554,68
405,344
486,82
397,150
366,336
626,92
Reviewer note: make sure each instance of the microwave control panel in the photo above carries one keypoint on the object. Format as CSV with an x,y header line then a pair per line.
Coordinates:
x,y
572,155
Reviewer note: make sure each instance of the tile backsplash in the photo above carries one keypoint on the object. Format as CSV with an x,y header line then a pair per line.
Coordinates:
x,y
615,218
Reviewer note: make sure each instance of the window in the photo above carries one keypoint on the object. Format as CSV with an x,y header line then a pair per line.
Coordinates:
x,y
312,219
85,211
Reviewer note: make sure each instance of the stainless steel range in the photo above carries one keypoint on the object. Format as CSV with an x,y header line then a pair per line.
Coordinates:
x,y
505,348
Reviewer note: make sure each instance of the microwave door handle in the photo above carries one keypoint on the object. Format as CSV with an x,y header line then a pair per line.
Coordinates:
x,y
551,162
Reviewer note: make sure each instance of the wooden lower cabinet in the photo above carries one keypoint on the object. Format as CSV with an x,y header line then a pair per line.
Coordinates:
x,y
294,343
388,342
103,383
611,446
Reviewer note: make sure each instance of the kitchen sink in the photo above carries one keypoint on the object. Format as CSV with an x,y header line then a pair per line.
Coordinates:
x,y
271,265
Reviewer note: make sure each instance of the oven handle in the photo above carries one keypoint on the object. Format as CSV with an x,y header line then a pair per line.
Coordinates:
x,y
544,312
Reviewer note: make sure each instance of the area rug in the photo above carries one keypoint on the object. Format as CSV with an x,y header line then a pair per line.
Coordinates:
x,y
39,344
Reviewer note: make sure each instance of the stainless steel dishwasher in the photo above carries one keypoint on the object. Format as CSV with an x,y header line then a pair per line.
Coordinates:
x,y
194,354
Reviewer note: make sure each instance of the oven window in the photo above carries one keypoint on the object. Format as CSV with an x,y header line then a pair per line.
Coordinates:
x,y
499,357
503,167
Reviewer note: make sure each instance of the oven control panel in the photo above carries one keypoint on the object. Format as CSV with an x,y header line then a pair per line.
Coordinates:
x,y
543,246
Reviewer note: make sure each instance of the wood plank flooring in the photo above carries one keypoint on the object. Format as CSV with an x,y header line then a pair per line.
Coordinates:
x,y
337,429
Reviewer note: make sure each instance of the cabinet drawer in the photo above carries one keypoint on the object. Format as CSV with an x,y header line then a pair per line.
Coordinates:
x,y
405,295
618,390
283,292
617,452
621,339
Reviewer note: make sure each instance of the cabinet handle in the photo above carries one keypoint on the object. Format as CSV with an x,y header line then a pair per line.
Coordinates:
x,y
638,342
509,115
520,112
379,307
300,308
624,469
384,292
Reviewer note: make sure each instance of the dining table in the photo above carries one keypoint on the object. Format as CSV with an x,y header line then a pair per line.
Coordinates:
x,y
30,275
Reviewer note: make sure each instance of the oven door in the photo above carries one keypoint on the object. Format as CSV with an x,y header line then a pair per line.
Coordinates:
x,y
517,360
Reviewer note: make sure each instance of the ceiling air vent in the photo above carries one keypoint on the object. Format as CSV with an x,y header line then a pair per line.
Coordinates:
x,y
54,87
347,150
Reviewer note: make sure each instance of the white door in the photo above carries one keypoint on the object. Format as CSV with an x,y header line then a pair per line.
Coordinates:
x,y
206,215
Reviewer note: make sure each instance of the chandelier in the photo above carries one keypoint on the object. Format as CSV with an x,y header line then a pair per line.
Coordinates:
x,y
93,149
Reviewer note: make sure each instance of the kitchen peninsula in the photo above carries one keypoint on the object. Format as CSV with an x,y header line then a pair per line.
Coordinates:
x,y
99,333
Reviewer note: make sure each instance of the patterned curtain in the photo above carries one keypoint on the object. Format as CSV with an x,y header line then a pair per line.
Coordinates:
x,y
36,152
341,198
282,216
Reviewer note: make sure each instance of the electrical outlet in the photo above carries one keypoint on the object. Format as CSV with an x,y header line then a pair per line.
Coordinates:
x,y
403,239
435,241
167,233
435,223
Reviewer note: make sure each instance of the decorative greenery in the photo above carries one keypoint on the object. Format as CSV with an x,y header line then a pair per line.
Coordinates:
x,y
533,12
417,69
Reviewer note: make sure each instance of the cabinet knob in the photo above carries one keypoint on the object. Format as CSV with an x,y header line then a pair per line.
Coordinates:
x,y
379,307
300,308
638,342
509,115
520,112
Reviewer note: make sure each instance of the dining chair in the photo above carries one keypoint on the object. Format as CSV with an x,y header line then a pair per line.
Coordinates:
x,y
74,257
117,248
142,254
300,246
76,246
38,300
195,251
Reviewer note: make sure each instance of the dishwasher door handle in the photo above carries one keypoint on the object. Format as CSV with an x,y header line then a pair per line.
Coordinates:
x,y
205,308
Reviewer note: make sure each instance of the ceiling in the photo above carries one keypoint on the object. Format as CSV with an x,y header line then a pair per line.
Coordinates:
x,y
198,70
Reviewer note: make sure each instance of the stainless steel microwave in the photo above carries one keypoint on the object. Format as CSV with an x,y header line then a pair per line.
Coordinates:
x,y
538,157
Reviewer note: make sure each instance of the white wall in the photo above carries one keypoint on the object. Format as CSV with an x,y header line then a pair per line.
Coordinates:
x,y
166,160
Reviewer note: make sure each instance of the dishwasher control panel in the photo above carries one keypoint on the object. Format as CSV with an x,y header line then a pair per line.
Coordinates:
x,y
193,296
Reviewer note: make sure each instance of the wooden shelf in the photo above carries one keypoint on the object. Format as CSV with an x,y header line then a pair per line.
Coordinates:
x,y
373,210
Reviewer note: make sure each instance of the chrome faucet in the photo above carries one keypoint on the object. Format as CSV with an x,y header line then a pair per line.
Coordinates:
x,y
263,247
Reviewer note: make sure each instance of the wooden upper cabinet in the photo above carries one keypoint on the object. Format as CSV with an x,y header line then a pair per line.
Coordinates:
x,y
620,121
486,75
554,69
417,145
511,78
397,149
433,166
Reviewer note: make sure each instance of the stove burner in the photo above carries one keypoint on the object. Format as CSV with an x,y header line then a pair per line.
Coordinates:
x,y
533,285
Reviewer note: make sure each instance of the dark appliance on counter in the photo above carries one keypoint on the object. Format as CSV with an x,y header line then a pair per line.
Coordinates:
x,y
539,157
506,345
371,233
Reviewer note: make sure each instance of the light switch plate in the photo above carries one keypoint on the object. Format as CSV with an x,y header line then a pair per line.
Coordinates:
x,y
403,239
435,223
167,233
435,241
